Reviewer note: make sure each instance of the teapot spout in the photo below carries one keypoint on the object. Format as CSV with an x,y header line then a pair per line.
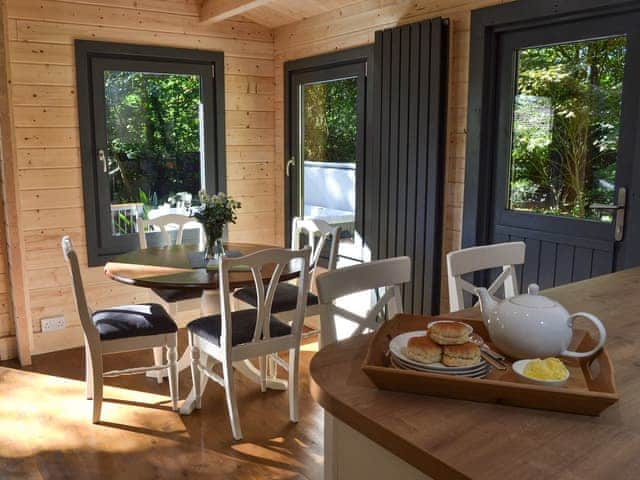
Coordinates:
x,y
487,302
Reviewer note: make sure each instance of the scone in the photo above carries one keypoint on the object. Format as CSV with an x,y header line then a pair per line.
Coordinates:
x,y
449,333
423,350
465,355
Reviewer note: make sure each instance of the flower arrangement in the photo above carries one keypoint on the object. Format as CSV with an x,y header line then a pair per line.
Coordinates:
x,y
214,213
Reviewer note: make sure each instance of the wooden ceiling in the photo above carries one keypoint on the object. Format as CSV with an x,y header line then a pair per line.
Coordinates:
x,y
270,13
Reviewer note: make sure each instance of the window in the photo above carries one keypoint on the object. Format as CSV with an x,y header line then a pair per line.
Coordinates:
x,y
152,137
566,127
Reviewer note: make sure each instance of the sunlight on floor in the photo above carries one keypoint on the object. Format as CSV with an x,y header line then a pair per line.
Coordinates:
x,y
58,417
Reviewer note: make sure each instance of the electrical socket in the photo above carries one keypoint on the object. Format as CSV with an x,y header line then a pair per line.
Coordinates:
x,y
51,324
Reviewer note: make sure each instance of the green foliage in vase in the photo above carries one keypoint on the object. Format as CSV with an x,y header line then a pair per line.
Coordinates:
x,y
216,211
566,126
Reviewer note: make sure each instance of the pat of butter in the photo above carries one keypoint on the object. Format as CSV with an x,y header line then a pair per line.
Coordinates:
x,y
547,369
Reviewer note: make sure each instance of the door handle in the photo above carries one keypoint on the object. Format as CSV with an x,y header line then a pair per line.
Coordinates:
x,y
292,161
102,158
619,208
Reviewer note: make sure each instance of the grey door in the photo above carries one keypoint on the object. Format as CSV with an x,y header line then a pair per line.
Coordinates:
x,y
565,148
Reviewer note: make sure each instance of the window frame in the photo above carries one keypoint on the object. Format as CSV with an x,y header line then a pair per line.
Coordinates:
x,y
352,62
89,56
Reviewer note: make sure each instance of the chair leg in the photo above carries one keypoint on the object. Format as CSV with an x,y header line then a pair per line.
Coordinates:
x,y
172,360
262,362
195,371
98,384
294,361
272,366
88,372
157,360
227,371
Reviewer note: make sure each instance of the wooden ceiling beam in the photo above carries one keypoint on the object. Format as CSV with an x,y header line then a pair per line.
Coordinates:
x,y
218,10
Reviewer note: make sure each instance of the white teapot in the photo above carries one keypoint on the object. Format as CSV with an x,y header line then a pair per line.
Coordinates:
x,y
532,326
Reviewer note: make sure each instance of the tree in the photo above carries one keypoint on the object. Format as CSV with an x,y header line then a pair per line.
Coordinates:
x,y
153,134
564,167
330,121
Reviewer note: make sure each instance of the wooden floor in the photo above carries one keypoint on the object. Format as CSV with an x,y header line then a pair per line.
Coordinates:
x,y
46,433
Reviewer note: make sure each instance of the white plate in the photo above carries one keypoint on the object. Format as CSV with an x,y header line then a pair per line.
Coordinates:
x,y
398,347
438,367
519,367
482,373
480,368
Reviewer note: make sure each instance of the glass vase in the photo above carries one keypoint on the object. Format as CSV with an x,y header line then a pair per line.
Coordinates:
x,y
214,247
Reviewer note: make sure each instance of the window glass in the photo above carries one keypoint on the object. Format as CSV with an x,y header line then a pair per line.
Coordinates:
x,y
154,145
330,127
566,125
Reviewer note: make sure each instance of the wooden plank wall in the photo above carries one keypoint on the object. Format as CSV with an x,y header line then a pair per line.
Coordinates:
x,y
355,25
8,233
42,76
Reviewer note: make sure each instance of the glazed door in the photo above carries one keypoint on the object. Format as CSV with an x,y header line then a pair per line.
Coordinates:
x,y
565,148
324,168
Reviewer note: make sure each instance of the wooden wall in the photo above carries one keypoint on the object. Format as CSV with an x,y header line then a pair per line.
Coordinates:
x,y
43,108
43,103
355,25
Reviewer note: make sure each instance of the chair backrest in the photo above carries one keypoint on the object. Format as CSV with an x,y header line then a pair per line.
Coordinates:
x,y
388,274
276,259
316,233
475,259
162,223
90,331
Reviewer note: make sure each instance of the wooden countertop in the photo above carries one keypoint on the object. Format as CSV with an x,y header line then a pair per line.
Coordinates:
x,y
447,438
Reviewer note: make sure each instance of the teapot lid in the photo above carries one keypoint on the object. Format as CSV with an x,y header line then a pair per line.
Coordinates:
x,y
532,299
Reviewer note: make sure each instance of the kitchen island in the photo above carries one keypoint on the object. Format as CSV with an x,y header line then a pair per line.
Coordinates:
x,y
375,434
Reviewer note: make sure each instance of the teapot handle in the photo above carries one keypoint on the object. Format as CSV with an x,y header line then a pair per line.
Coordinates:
x,y
602,334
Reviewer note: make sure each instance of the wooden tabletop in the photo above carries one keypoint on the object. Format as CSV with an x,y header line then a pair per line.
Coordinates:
x,y
169,267
448,438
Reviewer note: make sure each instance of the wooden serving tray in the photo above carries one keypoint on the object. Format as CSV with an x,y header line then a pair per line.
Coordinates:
x,y
589,390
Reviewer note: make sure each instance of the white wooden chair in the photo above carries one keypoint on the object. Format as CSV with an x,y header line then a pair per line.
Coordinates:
x,y
121,329
235,336
486,257
177,302
388,274
162,222
172,298
316,234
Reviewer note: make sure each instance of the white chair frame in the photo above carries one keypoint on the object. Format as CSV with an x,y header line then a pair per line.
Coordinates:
x,y
313,228
174,308
261,345
317,232
95,347
162,222
388,274
485,257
